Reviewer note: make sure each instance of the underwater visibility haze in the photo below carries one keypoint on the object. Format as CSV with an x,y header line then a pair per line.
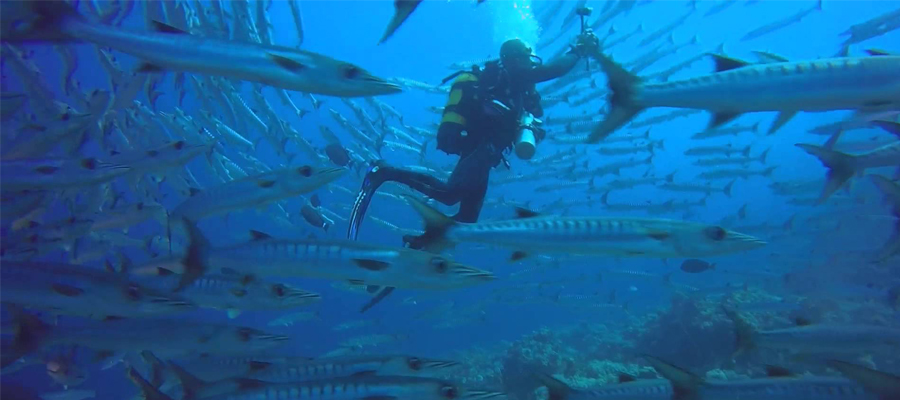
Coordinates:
x,y
464,199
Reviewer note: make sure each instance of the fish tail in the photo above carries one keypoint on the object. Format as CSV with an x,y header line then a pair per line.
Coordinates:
x,y
436,225
622,85
197,253
890,126
886,386
557,389
147,390
743,333
685,383
840,168
30,333
190,384
729,186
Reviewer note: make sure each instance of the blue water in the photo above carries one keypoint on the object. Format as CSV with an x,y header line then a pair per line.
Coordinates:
x,y
440,33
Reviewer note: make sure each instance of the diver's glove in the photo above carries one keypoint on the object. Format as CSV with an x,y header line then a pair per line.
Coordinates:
x,y
586,44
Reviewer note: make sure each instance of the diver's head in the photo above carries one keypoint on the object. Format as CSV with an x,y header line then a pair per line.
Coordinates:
x,y
516,56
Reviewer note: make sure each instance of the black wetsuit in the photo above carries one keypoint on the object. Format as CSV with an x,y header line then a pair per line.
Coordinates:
x,y
479,139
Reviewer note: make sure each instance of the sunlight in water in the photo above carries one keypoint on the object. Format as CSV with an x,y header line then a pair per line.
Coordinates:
x,y
514,19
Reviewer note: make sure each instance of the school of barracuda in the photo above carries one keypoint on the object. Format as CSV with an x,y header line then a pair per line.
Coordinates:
x,y
115,203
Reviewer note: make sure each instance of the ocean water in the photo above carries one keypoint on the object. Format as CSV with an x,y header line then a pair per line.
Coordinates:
x,y
584,318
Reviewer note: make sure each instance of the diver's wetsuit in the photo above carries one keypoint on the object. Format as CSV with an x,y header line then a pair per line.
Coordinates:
x,y
470,130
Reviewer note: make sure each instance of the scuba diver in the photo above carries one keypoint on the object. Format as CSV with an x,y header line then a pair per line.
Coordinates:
x,y
481,120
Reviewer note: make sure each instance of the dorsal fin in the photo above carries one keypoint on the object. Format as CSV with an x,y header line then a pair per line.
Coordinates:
x,y
623,377
257,235
724,63
166,28
775,371
526,213
877,52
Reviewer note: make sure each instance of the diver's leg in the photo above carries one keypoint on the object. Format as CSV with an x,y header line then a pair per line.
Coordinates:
x,y
471,182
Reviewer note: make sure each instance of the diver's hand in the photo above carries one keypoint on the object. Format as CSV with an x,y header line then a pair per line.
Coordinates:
x,y
586,44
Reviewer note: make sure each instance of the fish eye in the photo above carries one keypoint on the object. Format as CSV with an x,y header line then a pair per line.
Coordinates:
x,y
134,292
305,170
439,264
278,290
351,71
244,334
179,145
414,363
449,392
715,233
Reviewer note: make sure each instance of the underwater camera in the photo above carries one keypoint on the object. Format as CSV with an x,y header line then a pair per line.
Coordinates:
x,y
530,134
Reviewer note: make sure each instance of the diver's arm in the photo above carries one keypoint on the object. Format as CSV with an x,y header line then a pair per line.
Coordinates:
x,y
555,68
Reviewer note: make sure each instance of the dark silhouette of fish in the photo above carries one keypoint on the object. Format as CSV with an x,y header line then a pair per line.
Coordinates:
x,y
695,266
402,10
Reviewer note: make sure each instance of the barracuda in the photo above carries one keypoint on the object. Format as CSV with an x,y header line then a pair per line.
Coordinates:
x,y
623,237
254,191
332,259
231,293
842,166
349,388
164,337
737,87
173,49
56,174
626,389
864,384
83,291
816,338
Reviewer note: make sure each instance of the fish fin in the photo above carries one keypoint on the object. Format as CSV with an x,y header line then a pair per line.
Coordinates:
x,y
840,168
265,184
622,107
557,389
66,290
190,384
684,383
402,11
887,386
149,68
385,291
371,265
724,63
658,235
801,321
743,332
877,52
257,235
287,63
890,126
623,377
156,368
147,390
526,213
775,371
29,333
233,313
721,118
783,118
517,255
436,225
728,187
163,27
195,260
